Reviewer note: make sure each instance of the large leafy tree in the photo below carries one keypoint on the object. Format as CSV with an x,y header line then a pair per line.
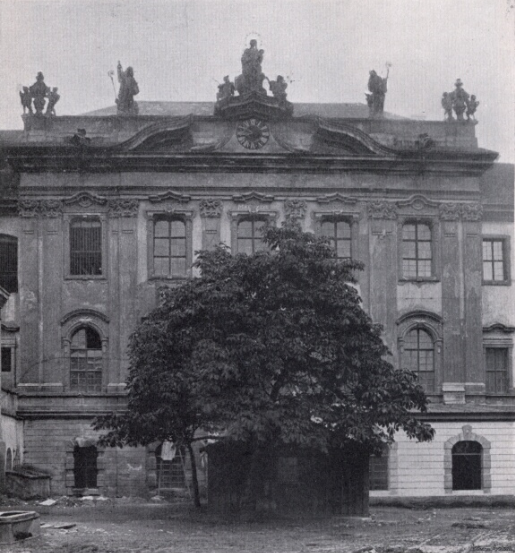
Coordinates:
x,y
268,348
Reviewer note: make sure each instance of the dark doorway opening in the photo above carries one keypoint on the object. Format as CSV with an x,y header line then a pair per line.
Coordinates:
x,y
467,466
85,467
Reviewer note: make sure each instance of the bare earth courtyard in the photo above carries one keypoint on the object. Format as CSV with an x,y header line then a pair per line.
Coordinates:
x,y
123,527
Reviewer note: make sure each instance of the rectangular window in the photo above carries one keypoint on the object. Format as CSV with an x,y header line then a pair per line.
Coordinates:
x,y
169,247
339,235
494,260
417,251
496,370
250,235
9,263
7,360
85,247
378,471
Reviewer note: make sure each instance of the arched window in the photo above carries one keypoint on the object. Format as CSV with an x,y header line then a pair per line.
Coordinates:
x,y
86,360
467,465
418,356
417,250
339,234
250,235
85,468
9,263
169,247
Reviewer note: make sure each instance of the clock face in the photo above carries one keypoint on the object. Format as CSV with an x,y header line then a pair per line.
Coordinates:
x,y
252,134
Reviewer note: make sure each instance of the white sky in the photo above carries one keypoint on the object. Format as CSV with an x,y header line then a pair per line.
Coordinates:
x,y
324,47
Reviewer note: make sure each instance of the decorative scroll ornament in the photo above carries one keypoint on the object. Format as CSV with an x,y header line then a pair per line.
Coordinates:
x,y
295,209
382,210
123,208
210,208
43,208
85,199
459,211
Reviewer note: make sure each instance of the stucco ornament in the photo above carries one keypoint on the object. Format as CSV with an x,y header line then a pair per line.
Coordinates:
x,y
295,209
123,208
210,208
382,210
461,211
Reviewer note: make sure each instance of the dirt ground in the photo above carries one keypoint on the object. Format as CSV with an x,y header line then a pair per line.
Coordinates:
x,y
127,527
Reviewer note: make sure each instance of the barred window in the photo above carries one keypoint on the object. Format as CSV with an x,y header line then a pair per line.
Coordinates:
x,y
416,250
378,470
250,235
86,361
496,370
419,357
169,247
494,265
86,247
9,263
339,235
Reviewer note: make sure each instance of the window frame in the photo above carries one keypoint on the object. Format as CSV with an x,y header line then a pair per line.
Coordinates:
x,y
69,218
185,217
237,216
506,252
433,325
78,390
11,240
434,228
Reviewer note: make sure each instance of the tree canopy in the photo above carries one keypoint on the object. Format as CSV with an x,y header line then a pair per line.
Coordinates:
x,y
271,347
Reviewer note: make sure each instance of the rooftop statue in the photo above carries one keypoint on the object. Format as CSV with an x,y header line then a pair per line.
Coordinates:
x,y
378,88
34,98
460,102
128,89
38,92
252,77
225,90
278,88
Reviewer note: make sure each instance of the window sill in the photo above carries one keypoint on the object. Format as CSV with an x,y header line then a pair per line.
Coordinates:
x,y
496,283
85,277
169,278
419,280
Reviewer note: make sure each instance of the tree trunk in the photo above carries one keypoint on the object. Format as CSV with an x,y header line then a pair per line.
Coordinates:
x,y
194,477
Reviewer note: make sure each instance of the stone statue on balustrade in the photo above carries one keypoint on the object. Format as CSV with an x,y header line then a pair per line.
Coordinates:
x,y
278,88
225,90
128,89
53,98
377,87
38,92
26,100
461,102
252,77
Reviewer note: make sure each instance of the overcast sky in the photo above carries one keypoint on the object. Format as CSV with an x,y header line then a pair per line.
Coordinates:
x,y
325,49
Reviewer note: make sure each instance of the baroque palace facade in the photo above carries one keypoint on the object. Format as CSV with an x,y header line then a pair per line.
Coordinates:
x,y
97,212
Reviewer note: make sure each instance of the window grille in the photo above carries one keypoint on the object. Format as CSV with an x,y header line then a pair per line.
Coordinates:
x,y
416,251
378,471
494,267
496,370
86,361
339,235
9,263
169,247
85,247
250,236
419,357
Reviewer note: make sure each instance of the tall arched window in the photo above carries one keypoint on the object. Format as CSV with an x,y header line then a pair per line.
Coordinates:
x,y
86,360
467,465
9,263
419,356
250,235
